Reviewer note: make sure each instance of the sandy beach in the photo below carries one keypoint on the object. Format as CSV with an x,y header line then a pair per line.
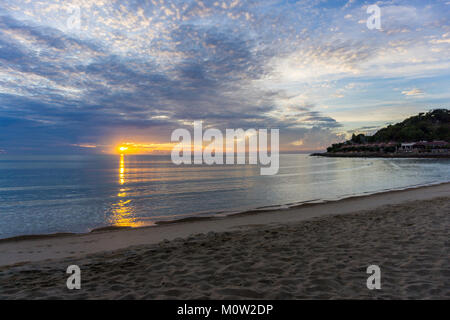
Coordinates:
x,y
316,251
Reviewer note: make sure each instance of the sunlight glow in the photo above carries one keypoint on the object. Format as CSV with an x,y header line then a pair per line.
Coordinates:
x,y
123,210
143,148
122,170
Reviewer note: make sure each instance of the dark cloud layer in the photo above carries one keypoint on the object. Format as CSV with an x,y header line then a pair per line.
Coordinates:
x,y
138,68
65,101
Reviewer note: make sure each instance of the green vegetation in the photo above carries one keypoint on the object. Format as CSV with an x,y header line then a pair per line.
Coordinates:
x,y
431,126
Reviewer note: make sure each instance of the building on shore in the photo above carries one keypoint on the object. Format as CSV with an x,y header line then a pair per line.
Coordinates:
x,y
425,147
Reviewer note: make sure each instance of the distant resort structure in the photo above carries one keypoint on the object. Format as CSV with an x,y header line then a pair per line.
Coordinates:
x,y
425,135
391,149
424,147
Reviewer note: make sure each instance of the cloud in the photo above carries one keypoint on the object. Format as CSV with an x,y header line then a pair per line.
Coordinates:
x,y
313,139
413,92
367,130
348,4
137,70
297,143
438,41
91,146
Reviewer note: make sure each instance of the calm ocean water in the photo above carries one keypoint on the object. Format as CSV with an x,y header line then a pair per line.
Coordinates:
x,y
43,194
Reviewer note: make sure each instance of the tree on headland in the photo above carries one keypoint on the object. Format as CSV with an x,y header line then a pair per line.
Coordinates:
x,y
433,125
430,126
360,138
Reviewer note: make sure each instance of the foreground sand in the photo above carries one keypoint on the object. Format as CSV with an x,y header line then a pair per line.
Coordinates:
x,y
323,257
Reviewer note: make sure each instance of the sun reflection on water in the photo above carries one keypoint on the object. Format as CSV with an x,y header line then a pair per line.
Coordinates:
x,y
122,169
123,211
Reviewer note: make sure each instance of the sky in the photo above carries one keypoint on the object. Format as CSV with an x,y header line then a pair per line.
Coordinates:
x,y
84,76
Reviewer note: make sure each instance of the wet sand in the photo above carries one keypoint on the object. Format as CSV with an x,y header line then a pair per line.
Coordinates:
x,y
319,251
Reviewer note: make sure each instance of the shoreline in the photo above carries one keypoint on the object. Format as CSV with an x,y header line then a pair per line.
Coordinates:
x,y
318,252
381,155
24,249
206,216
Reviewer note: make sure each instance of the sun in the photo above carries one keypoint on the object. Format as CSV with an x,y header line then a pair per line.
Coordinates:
x,y
142,148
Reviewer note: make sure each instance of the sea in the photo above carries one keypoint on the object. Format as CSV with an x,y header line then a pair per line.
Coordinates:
x,y
52,194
